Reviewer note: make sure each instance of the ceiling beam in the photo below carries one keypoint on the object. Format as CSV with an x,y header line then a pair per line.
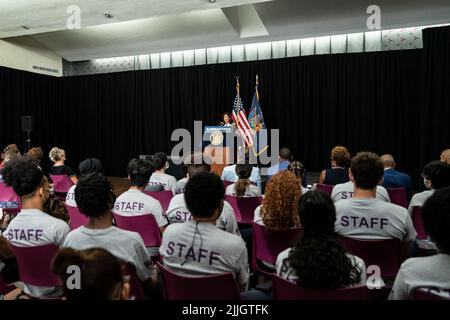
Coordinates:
x,y
246,21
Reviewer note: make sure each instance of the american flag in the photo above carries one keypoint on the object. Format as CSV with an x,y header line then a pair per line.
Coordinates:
x,y
240,119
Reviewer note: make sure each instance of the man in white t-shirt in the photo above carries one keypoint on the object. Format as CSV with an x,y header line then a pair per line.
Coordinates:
x,y
346,190
85,167
430,272
159,177
32,226
95,199
198,247
178,212
366,217
436,175
134,202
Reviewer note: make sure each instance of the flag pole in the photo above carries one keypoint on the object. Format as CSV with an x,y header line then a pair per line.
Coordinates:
x,y
256,87
257,154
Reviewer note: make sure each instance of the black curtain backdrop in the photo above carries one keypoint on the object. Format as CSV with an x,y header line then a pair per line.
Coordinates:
x,y
387,102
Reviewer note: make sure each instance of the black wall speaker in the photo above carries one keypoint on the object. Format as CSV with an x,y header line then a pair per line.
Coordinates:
x,y
26,123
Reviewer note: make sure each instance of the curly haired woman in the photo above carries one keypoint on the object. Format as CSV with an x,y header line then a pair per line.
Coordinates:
x,y
279,207
338,173
318,260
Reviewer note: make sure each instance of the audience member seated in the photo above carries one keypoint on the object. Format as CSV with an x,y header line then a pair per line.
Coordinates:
x,y
159,177
87,166
393,178
198,247
347,190
243,187
318,260
366,217
284,159
32,226
436,175
95,199
37,154
134,202
178,211
58,156
229,172
445,156
57,208
10,152
279,206
433,271
182,182
297,168
338,173
101,275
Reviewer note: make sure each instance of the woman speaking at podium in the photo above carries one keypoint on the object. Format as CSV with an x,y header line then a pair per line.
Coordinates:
x,y
227,121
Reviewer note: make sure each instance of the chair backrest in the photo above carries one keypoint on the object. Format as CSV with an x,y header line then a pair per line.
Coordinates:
x,y
163,197
8,198
34,264
77,219
431,294
227,183
384,253
144,224
211,287
418,223
286,290
244,207
325,188
398,196
267,244
61,183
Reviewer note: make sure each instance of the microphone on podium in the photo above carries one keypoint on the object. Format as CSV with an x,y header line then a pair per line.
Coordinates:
x,y
222,124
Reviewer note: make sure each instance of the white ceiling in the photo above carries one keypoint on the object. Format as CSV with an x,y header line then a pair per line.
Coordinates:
x,y
147,26
51,15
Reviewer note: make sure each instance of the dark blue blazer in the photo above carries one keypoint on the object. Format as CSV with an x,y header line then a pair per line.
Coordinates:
x,y
396,179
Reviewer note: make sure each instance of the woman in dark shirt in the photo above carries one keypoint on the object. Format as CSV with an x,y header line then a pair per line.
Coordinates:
x,y
338,173
58,156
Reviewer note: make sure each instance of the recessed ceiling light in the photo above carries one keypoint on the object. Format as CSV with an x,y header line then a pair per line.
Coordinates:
x,y
109,15
212,1
26,27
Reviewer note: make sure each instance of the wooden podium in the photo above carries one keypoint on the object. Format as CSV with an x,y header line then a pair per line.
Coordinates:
x,y
216,148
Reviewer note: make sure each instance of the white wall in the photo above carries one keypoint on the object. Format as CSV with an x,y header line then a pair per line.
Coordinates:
x,y
26,54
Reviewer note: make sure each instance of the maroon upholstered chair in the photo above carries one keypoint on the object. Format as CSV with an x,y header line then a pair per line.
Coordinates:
x,y
61,183
211,287
267,244
163,197
398,196
325,188
418,223
144,224
387,254
77,219
8,198
34,264
244,208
